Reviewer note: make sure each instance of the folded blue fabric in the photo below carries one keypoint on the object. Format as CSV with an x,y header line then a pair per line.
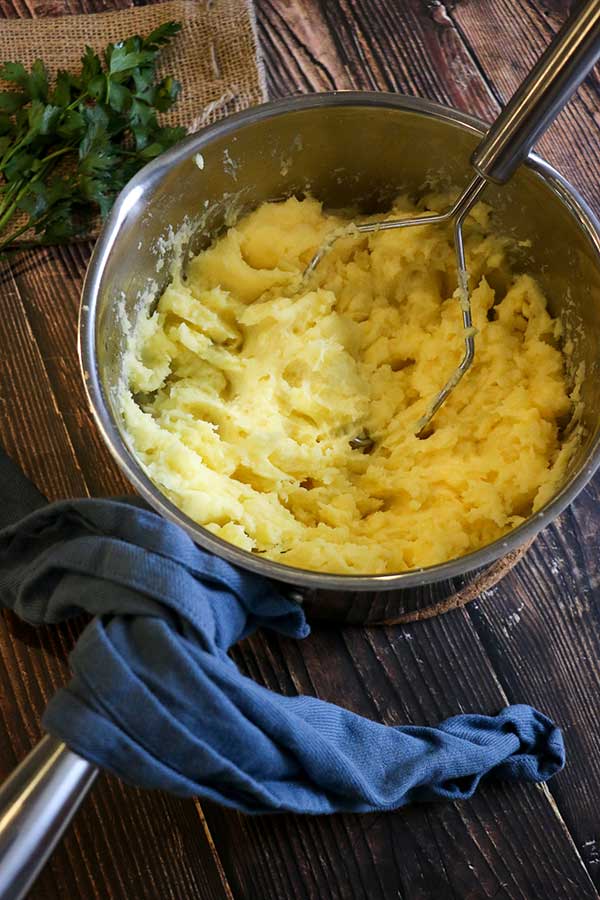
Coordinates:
x,y
155,698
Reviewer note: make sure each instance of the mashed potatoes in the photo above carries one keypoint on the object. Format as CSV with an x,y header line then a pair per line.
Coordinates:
x,y
245,387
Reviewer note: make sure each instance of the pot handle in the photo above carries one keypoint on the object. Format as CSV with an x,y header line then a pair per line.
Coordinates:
x,y
37,802
536,103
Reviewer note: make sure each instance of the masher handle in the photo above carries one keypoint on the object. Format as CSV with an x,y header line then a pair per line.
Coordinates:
x,y
37,802
536,103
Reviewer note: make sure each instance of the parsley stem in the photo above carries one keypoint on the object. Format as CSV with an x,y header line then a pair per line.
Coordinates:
x,y
9,240
22,187
84,238
77,101
31,223
58,153
11,152
9,190
7,213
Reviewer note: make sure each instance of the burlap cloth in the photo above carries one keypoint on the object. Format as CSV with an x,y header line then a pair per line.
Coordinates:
x,y
215,56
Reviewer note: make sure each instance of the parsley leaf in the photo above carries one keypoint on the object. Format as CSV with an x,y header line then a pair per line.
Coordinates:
x,y
67,149
34,84
11,101
161,35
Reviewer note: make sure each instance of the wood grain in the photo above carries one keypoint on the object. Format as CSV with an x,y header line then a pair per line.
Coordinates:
x,y
507,41
342,49
535,638
127,843
506,841
541,628
369,45
32,428
51,286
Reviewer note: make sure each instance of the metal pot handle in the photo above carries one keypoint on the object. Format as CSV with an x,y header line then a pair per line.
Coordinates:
x,y
37,802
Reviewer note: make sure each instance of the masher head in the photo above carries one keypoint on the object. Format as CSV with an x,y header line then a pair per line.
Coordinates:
x,y
457,213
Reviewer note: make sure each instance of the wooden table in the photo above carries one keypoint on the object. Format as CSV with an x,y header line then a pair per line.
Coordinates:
x,y
535,638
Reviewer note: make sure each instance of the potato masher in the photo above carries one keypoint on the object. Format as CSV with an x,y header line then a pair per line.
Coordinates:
x,y
533,107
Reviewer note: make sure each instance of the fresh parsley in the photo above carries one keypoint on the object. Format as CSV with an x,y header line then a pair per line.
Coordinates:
x,y
67,149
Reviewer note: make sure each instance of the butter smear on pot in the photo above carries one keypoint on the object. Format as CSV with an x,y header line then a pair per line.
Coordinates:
x,y
245,386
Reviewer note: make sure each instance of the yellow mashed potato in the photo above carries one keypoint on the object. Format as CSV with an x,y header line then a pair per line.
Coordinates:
x,y
246,385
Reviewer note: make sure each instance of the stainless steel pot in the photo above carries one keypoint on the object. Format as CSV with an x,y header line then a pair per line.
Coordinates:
x,y
345,148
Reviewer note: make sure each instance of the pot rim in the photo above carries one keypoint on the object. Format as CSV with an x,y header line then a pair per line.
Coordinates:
x,y
132,468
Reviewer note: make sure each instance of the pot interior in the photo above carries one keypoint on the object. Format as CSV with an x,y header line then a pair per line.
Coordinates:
x,y
360,155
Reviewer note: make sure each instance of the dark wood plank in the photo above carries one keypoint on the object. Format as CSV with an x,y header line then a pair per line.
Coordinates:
x,y
541,628
32,429
369,45
299,51
50,286
485,848
125,843
507,40
35,9
508,841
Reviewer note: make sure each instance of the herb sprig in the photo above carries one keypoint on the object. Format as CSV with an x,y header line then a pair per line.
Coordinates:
x,y
66,150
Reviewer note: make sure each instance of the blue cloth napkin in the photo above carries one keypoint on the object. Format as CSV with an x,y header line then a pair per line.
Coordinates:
x,y
155,698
